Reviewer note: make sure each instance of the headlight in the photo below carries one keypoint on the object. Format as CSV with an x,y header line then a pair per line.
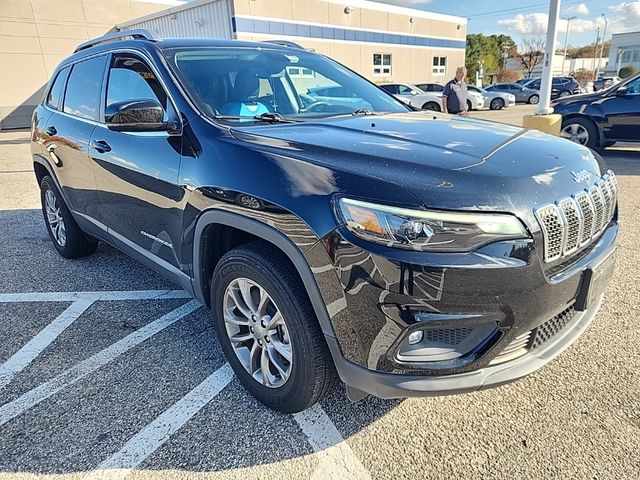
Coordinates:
x,y
427,230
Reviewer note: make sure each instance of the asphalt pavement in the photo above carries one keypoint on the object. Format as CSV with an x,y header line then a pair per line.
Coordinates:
x,y
109,371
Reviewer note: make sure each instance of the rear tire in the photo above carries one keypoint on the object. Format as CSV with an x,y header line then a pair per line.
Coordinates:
x,y
431,106
66,236
299,369
496,104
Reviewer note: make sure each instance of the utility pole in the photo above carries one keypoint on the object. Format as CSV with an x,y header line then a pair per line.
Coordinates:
x,y
604,37
566,40
544,107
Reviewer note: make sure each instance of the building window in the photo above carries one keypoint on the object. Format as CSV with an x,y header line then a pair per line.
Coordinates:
x,y
439,66
381,64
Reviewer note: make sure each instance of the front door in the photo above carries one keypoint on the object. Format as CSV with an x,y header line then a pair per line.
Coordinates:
x,y
137,172
623,113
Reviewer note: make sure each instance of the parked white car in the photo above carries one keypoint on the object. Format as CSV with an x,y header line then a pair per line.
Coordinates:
x,y
493,100
475,100
414,96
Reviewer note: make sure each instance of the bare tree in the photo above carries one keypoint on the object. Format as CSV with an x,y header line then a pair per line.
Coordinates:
x,y
531,53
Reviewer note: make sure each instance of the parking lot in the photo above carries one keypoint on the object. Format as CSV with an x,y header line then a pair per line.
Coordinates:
x,y
109,371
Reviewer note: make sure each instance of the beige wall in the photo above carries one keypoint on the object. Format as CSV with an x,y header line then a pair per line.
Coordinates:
x,y
409,64
35,35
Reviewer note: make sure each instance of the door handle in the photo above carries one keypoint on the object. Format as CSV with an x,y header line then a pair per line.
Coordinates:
x,y
100,146
51,130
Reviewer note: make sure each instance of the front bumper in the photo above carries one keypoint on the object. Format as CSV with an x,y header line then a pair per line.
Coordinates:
x,y
361,381
505,285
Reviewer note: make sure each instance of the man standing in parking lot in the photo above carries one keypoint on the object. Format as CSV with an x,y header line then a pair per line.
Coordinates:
x,y
454,95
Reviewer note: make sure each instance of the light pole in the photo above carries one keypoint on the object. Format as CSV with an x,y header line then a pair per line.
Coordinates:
x,y
604,37
566,40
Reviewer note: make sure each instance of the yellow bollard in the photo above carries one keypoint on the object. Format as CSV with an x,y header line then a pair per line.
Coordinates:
x,y
545,123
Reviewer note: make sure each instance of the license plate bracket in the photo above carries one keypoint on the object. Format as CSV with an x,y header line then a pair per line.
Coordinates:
x,y
594,281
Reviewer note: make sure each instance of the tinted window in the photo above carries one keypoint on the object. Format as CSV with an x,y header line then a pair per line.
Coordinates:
x,y
83,89
54,99
390,88
404,90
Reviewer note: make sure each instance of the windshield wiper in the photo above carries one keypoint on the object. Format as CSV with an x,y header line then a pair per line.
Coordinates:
x,y
362,111
269,117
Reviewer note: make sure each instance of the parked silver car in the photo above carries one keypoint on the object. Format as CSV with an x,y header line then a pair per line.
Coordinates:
x,y
522,94
476,100
494,100
414,96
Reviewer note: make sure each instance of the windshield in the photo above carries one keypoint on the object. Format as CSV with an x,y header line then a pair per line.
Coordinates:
x,y
240,84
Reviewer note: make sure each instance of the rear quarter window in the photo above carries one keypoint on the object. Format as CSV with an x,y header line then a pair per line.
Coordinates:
x,y
56,93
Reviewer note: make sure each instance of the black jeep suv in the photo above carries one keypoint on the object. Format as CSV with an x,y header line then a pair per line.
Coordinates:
x,y
405,253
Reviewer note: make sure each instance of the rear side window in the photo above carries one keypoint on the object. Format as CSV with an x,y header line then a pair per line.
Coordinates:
x,y
54,98
82,98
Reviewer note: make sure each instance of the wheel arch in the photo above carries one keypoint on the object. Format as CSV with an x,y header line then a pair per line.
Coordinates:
x,y
214,224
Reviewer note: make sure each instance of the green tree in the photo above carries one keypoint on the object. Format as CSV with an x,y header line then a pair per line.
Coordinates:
x,y
629,71
488,49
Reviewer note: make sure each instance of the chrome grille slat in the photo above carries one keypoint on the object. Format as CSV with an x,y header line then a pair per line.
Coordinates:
x,y
588,212
573,222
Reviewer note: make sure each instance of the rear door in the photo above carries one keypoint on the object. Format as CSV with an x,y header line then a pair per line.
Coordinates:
x,y
68,130
622,113
137,172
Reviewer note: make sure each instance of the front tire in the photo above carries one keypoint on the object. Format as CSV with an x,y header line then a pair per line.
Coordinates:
x,y
268,329
533,99
66,236
581,131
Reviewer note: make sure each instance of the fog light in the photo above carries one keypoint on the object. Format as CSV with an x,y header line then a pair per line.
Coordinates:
x,y
415,337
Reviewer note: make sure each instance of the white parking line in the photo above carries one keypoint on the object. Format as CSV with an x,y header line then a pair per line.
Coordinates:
x,y
93,363
95,296
154,435
23,357
336,459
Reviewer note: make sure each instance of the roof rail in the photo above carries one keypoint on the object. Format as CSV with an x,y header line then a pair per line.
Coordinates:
x,y
285,43
136,33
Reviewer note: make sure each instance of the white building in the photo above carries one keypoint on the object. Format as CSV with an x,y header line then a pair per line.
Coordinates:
x,y
559,67
624,51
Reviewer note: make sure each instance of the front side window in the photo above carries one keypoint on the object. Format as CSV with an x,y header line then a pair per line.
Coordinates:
x,y
439,66
230,83
381,64
404,90
82,97
131,79
54,98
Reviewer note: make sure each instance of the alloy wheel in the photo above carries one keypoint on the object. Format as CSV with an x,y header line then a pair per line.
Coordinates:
x,y
54,217
576,133
257,332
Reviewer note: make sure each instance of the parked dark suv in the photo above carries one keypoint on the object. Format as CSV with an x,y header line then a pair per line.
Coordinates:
x,y
405,253
560,86
602,118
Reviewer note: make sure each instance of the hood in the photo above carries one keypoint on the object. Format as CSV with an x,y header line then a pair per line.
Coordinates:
x,y
581,98
447,161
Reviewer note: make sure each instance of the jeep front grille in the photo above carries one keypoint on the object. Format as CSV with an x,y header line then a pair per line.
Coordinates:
x,y
573,222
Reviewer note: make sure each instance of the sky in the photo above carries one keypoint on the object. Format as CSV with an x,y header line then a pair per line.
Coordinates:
x,y
528,18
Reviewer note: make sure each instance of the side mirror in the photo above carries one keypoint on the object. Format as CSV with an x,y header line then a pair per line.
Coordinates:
x,y
622,91
413,92
137,116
